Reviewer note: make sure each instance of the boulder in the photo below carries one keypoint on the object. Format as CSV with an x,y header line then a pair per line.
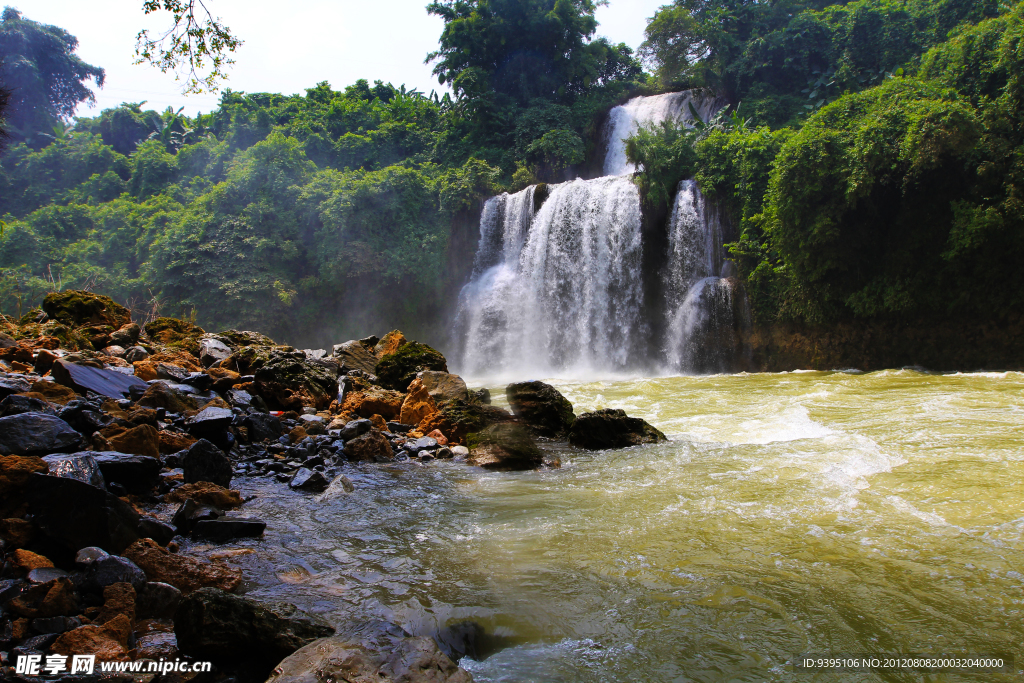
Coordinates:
x,y
102,641
85,417
16,405
418,404
541,406
185,573
212,350
138,474
175,333
53,392
354,356
160,395
423,443
243,338
443,386
309,480
612,428
112,569
118,599
355,428
223,379
205,493
262,426
126,336
78,515
172,442
215,625
391,342
157,600
226,528
78,309
372,401
54,598
211,424
288,383
36,434
457,419
135,354
13,385
174,373
378,652
370,447
83,378
397,370
81,466
504,447
143,440
205,462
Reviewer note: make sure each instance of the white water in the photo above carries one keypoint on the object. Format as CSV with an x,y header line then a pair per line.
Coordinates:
x,y
560,291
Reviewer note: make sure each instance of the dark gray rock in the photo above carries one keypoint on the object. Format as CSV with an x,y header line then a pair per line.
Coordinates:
x,y
86,556
127,335
199,380
218,626
226,528
399,428
112,569
262,426
212,351
355,428
47,625
138,474
211,424
612,428
157,600
379,652
421,444
36,434
205,462
505,446
135,354
159,531
354,356
191,512
480,396
45,574
309,480
84,416
83,378
16,405
80,466
77,515
13,385
174,373
541,406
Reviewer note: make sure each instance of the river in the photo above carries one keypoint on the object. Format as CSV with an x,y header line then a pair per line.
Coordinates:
x,y
808,512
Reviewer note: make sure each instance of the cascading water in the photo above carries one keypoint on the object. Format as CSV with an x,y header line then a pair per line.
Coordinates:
x,y
702,312
559,290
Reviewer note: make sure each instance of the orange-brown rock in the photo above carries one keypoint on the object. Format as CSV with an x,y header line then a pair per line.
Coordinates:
x,y
215,403
111,430
44,361
16,532
159,395
184,573
391,342
438,436
180,358
114,361
206,493
51,599
378,422
172,442
223,379
370,447
141,440
438,423
118,599
19,628
17,366
54,393
26,560
140,415
145,370
418,404
297,434
102,641
110,407
15,471
373,401
16,354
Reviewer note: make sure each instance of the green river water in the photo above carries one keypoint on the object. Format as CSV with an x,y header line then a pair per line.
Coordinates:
x,y
790,513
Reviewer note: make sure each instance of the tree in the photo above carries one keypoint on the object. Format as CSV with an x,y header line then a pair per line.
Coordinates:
x,y
189,45
46,78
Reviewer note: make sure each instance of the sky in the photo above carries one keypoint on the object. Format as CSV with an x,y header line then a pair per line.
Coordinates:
x,y
288,46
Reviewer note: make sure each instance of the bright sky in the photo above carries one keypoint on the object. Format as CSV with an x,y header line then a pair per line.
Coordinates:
x,y
288,46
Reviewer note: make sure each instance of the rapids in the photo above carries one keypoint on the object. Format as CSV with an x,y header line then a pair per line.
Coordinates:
x,y
790,513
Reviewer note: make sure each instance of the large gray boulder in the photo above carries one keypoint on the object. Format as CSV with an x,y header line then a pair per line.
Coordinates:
x,y
354,356
380,652
541,406
36,434
443,386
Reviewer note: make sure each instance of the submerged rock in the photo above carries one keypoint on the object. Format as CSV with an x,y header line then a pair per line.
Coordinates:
x,y
612,428
541,406
213,624
380,652
505,447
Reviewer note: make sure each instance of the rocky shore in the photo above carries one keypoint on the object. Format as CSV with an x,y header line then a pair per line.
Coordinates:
x,y
120,441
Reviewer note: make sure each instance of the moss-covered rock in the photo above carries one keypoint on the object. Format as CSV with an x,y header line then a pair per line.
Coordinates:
x,y
541,406
287,382
397,370
612,428
458,419
506,446
176,334
240,338
77,309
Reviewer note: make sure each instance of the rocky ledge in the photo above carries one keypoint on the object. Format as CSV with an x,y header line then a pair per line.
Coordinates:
x,y
118,446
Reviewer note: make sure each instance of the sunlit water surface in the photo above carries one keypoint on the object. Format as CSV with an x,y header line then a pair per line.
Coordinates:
x,y
789,513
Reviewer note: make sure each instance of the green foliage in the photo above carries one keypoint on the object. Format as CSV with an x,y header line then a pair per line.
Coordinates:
x,y
45,77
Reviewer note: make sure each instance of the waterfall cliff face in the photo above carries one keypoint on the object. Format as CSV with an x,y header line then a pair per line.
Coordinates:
x,y
559,288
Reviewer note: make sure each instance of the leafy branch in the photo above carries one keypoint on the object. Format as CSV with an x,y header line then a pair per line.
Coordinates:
x,y
189,46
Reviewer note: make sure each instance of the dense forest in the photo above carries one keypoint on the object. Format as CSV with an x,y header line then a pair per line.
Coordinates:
x,y
871,160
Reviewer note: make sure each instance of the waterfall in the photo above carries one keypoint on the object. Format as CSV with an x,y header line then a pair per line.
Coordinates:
x,y
625,120
565,293
701,306
558,285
